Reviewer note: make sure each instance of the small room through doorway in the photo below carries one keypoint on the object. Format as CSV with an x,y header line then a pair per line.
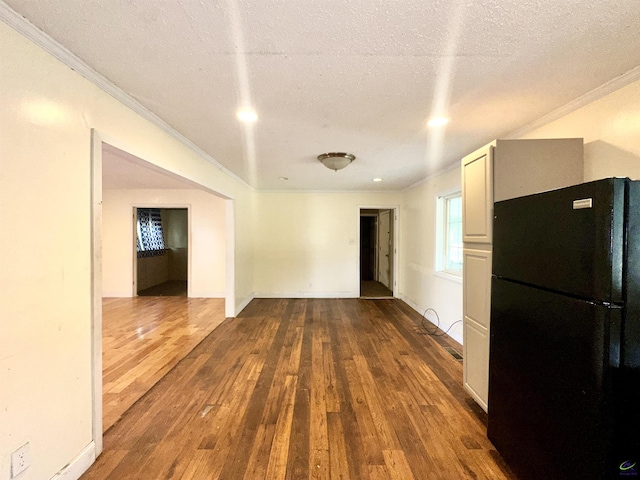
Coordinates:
x,y
377,253
162,252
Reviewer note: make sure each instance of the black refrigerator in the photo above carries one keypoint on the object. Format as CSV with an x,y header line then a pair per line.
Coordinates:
x,y
564,363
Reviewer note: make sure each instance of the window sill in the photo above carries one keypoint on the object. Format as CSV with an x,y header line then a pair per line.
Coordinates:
x,y
449,276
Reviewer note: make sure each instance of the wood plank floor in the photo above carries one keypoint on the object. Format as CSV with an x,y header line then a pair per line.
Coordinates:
x,y
375,289
145,337
307,388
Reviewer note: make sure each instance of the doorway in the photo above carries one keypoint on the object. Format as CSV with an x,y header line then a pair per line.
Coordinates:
x,y
377,252
138,174
162,252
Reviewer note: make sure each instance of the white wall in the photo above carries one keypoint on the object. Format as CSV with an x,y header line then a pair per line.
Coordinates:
x,y
48,111
422,286
307,244
207,240
610,127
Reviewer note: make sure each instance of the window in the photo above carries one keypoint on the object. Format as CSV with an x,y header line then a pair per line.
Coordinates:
x,y
449,231
149,241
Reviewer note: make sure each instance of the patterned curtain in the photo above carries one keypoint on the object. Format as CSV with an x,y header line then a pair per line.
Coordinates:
x,y
149,241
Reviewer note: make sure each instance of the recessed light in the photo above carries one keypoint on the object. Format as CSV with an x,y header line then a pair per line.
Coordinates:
x,y
377,179
438,121
247,115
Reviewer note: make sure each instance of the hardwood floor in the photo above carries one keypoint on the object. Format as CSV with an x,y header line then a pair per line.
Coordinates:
x,y
145,337
307,388
375,289
170,288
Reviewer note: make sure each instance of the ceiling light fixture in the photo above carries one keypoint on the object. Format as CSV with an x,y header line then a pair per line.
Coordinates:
x,y
336,160
247,115
438,121
377,179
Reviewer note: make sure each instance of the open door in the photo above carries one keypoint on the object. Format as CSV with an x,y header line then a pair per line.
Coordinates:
x,y
384,249
377,249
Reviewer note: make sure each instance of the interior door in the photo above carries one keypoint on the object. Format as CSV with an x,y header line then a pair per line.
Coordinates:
x,y
384,237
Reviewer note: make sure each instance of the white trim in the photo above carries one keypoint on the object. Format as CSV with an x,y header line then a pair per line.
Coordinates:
x,y
440,229
307,295
193,294
445,327
96,288
244,304
395,288
44,41
97,141
230,309
134,254
378,207
80,464
448,276
582,101
413,305
361,192
163,206
26,28
476,397
455,164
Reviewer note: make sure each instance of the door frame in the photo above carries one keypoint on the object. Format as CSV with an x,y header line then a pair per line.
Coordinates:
x,y
161,206
396,244
95,206
380,246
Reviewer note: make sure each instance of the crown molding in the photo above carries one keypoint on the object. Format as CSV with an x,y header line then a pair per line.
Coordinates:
x,y
23,26
452,166
582,101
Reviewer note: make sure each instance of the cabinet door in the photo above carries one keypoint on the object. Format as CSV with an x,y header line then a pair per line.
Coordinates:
x,y
477,195
476,325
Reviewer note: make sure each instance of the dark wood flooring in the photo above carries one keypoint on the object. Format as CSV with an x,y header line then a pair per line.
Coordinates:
x,y
308,388
170,288
374,289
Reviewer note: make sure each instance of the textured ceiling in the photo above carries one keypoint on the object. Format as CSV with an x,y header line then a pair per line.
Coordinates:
x,y
360,76
123,170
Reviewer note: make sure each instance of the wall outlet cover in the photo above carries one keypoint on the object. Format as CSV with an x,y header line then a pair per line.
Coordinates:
x,y
20,460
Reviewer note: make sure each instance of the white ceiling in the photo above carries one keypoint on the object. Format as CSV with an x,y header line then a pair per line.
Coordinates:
x,y
360,76
123,170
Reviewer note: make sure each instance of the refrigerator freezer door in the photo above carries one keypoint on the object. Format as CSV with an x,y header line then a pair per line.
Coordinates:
x,y
550,412
569,240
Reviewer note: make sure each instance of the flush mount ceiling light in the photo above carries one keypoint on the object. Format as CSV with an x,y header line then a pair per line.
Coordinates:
x,y
336,160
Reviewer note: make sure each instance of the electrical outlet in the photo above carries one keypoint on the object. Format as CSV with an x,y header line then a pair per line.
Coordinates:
x,y
20,460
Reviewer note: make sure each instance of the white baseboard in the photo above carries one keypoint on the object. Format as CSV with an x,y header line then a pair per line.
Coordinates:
x,y
107,294
307,295
413,305
421,311
205,294
76,467
244,304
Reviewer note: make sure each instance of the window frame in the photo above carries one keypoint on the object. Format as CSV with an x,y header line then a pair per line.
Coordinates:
x,y
156,231
443,223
